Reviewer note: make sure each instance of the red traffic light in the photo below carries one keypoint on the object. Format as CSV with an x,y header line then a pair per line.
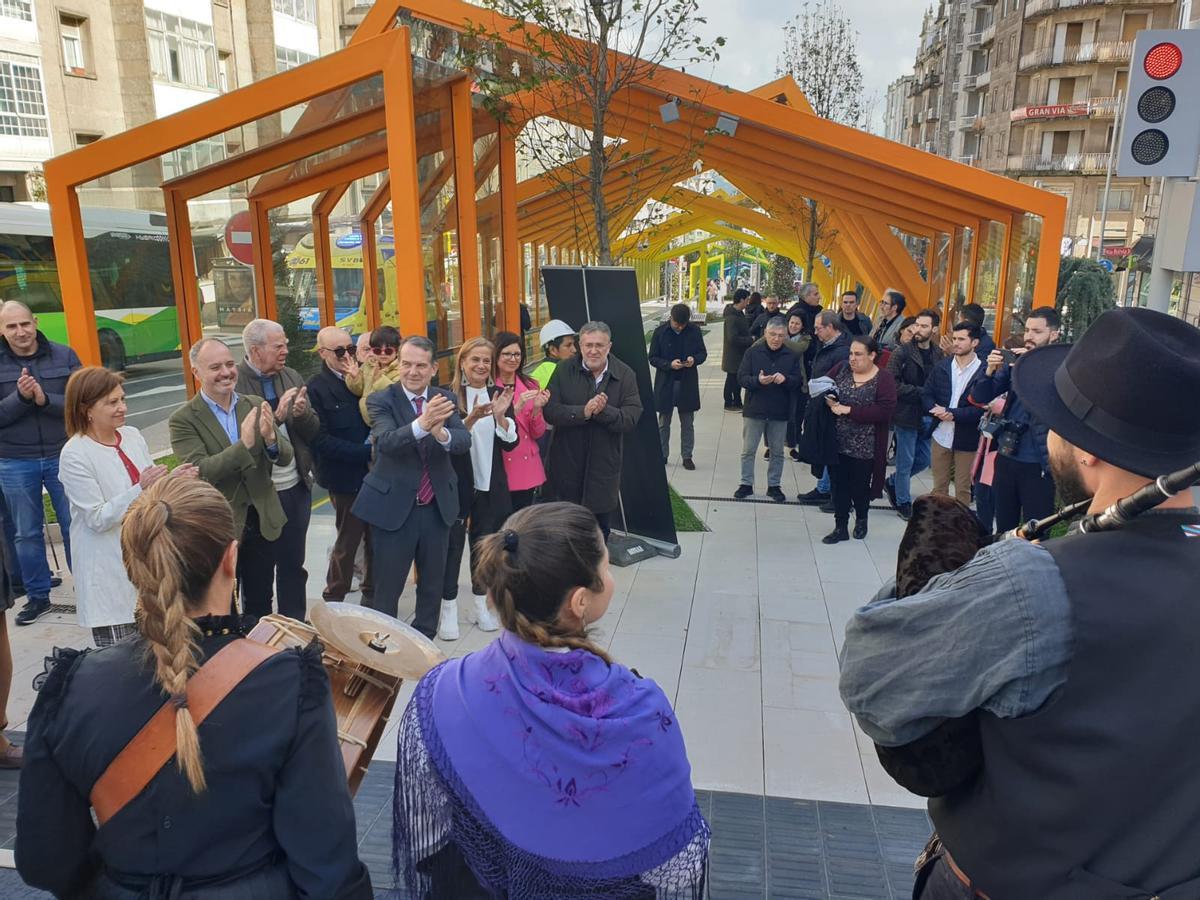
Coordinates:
x,y
1163,60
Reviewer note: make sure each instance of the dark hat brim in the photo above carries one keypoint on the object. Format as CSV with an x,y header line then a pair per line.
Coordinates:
x,y
1033,380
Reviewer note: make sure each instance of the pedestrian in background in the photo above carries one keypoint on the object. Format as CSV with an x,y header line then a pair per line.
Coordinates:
x,y
798,342
754,308
33,380
594,403
523,464
276,565
910,366
342,454
865,402
891,321
770,372
558,342
833,348
759,323
853,322
735,340
105,465
946,397
676,351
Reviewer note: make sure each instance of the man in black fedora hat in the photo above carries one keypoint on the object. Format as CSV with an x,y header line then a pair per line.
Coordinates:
x,y
1077,656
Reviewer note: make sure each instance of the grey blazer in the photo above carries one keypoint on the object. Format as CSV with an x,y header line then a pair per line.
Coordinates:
x,y
389,491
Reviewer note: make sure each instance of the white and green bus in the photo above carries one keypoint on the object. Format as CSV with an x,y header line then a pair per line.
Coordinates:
x,y
130,265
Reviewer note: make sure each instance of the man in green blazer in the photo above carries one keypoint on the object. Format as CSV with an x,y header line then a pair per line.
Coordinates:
x,y
234,443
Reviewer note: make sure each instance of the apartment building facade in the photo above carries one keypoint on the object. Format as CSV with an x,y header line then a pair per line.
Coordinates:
x,y
1036,86
74,71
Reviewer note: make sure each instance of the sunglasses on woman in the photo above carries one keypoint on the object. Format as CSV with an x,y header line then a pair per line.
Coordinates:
x,y
384,351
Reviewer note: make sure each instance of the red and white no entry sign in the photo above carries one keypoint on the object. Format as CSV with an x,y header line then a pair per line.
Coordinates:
x,y
238,238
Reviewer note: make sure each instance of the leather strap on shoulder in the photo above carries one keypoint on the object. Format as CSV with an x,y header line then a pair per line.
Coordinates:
x,y
152,747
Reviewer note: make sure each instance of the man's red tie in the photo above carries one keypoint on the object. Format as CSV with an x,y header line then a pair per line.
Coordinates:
x,y
425,488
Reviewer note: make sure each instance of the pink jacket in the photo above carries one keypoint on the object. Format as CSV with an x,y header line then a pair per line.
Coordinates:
x,y
524,464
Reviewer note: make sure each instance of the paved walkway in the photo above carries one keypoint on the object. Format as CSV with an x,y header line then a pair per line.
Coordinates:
x,y
742,632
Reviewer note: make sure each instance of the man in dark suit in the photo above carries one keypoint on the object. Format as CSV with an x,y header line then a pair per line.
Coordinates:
x,y
276,564
410,496
342,456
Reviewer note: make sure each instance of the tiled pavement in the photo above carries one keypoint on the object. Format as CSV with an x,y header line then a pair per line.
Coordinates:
x,y
742,632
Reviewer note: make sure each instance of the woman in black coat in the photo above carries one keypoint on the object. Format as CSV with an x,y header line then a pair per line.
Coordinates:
x,y
736,341
676,350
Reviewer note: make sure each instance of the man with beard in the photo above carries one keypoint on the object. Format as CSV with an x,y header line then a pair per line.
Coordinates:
x,y
1023,487
1076,656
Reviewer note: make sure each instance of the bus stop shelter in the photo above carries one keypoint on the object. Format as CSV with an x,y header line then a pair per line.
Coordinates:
x,y
394,109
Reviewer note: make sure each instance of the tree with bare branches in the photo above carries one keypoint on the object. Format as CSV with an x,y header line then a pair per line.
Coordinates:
x,y
820,52
576,59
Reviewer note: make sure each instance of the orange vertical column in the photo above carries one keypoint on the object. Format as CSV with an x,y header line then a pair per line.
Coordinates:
x,y
464,198
402,177
70,249
264,265
183,269
976,238
1002,291
511,258
323,266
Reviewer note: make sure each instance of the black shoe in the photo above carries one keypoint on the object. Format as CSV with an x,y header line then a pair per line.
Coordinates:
x,y
904,511
731,407
776,494
889,485
813,498
860,528
688,464
836,536
794,454
767,454
55,581
743,491
826,507
32,611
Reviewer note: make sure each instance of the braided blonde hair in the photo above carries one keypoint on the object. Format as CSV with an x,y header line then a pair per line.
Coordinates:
x,y
531,566
172,540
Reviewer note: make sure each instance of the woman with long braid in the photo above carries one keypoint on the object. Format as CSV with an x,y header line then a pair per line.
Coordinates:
x,y
254,800
538,767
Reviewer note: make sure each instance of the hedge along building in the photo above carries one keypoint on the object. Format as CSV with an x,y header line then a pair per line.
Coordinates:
x,y
393,102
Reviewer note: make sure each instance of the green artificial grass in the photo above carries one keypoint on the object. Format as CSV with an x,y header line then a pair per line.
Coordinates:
x,y
170,461
686,519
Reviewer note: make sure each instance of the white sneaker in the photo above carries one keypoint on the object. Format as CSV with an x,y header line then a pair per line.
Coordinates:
x,y
484,617
448,622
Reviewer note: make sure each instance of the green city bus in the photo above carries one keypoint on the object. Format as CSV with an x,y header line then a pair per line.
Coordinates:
x,y
130,266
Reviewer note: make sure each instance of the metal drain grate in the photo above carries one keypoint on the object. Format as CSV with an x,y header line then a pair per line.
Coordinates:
x,y
66,609
765,500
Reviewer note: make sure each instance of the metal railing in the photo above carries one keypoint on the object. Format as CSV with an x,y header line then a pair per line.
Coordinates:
x,y
988,34
1096,51
974,40
1073,163
967,160
983,79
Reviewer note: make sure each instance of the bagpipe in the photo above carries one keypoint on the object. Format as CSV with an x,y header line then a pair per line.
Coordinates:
x,y
943,535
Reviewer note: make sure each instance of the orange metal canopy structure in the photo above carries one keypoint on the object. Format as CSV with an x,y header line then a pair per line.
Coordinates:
x,y
988,239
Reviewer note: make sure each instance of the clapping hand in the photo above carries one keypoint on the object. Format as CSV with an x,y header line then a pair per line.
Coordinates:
x,y
595,405
501,403
250,428
266,423
437,410
28,387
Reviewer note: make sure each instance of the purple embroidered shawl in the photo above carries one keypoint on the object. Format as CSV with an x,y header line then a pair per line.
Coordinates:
x,y
566,764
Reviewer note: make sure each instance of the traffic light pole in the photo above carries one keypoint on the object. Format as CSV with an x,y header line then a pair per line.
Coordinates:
x,y
1112,162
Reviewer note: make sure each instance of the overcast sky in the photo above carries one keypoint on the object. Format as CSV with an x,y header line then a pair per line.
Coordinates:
x,y
887,36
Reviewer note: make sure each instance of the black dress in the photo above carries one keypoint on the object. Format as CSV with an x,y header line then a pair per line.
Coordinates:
x,y
276,820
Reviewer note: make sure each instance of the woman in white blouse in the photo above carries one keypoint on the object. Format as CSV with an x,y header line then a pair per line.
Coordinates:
x,y
104,466
483,487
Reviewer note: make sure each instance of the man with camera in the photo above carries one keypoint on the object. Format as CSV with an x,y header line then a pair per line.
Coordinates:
x,y
1060,685
1023,486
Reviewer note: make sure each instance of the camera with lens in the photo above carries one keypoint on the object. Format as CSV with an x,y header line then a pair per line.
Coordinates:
x,y
1005,433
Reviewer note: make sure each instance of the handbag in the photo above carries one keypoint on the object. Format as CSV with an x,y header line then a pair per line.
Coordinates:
x,y
152,747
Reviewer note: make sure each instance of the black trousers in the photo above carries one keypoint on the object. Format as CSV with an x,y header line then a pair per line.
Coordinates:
x,y
733,391
422,539
351,532
267,566
1020,492
522,499
850,484
604,520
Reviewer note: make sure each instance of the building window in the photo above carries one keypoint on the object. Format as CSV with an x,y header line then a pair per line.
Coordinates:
x,y
181,51
286,58
82,139
17,9
22,103
195,156
74,43
304,10
1120,200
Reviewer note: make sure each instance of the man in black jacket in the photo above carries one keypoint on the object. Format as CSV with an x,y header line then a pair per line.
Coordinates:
x,y
910,364
736,340
33,382
770,372
343,455
770,311
947,398
834,348
676,350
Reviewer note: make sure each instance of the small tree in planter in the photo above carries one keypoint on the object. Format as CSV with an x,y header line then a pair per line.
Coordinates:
x,y
1085,292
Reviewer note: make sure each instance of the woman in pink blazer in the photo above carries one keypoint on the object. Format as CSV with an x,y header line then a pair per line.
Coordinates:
x,y
523,465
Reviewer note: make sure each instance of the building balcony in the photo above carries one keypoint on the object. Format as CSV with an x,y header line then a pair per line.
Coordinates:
x,y
988,35
1094,52
974,40
983,79
983,3
970,82
1036,8
967,121
971,160
932,114
1065,164
1090,108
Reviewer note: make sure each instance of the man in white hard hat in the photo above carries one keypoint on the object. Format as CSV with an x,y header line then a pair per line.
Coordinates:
x,y
559,341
